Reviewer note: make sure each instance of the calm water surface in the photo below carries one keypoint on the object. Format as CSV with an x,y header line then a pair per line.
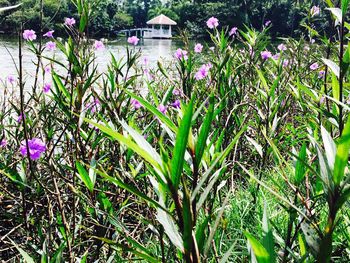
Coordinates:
x,y
153,49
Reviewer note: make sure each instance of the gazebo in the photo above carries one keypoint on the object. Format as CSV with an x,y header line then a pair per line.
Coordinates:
x,y
161,27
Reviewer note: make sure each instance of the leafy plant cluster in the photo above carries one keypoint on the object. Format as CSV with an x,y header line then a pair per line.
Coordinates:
x,y
237,152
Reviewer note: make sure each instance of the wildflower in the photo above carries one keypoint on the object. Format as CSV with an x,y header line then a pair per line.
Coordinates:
x,y
69,21
47,69
47,87
212,22
99,45
198,48
233,31
314,66
29,35
162,108
282,47
20,117
176,104
11,79
176,92
3,143
285,63
265,55
181,54
314,11
49,34
212,48
36,148
51,46
276,56
145,61
321,74
322,99
203,71
312,40
268,22
136,104
133,40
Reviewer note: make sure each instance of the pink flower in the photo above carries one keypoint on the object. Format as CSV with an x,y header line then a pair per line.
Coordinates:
x,y
198,48
133,40
29,35
266,55
36,148
176,104
314,11
233,31
268,22
20,117
69,21
203,71
47,69
176,92
212,22
98,45
49,34
282,47
51,46
145,61
285,63
11,79
181,54
47,87
162,108
136,104
314,66
276,56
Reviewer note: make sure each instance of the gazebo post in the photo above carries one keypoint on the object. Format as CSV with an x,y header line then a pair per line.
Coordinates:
x,y
169,33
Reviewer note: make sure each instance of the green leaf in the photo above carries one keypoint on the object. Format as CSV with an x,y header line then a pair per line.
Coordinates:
x,y
204,132
300,167
200,233
260,253
344,6
341,158
267,236
59,85
337,12
332,65
2,9
24,254
178,159
329,147
84,176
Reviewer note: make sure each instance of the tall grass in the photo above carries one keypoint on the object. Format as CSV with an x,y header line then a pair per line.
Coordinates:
x,y
236,153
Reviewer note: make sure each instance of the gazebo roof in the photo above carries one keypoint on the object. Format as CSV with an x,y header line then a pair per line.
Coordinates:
x,y
161,20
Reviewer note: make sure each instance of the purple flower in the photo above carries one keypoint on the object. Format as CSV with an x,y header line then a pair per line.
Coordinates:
x,y
268,22
265,55
322,99
51,46
312,40
162,108
47,87
98,45
3,143
181,54
276,56
69,21
198,48
282,47
20,117
136,104
212,22
11,79
133,40
176,104
233,31
203,71
29,34
176,92
47,69
145,61
285,63
314,11
49,34
36,148
314,66
321,74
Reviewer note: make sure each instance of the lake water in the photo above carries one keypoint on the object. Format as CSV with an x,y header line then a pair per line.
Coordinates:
x,y
153,49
